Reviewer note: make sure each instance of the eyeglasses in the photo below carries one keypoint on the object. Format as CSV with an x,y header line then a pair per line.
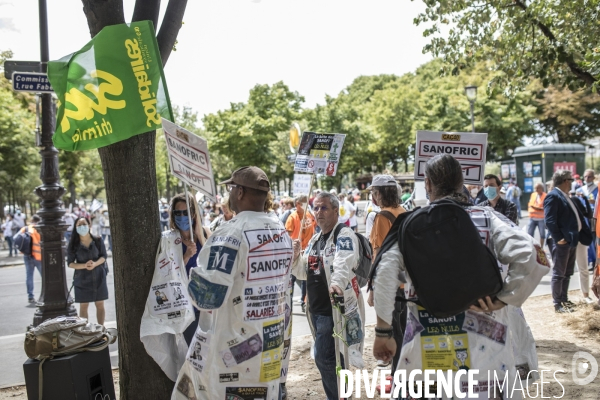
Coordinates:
x,y
180,213
587,176
231,186
318,209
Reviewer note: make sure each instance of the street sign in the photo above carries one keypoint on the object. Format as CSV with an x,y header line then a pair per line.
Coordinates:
x,y
11,66
31,82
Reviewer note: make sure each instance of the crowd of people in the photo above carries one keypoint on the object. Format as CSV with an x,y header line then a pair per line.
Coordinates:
x,y
226,272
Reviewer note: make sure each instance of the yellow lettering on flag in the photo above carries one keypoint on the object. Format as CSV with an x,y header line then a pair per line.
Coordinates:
x,y
85,106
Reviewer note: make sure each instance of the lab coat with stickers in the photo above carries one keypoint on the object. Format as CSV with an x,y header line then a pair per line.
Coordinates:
x,y
499,342
341,258
240,285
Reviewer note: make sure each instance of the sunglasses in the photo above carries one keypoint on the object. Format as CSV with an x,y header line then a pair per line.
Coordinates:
x,y
180,213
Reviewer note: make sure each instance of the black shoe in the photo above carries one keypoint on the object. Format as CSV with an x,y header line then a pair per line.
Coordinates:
x,y
569,304
303,306
562,310
31,300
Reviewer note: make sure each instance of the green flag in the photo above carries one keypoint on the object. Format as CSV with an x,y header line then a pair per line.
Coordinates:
x,y
110,90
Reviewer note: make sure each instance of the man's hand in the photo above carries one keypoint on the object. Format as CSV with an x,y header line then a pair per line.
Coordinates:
x,y
334,289
370,299
297,246
562,241
488,305
384,348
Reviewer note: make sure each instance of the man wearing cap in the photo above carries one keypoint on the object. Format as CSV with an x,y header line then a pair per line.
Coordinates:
x,y
241,281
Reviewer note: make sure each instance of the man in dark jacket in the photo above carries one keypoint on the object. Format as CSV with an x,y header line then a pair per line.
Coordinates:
x,y
568,228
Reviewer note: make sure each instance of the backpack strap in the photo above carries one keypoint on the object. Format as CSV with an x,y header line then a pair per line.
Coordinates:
x,y
391,239
336,232
388,215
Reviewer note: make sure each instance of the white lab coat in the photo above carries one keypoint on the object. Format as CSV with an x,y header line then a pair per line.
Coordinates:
x,y
240,286
341,258
499,341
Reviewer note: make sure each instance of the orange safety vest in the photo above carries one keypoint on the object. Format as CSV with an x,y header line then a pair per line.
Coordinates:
x,y
36,249
537,201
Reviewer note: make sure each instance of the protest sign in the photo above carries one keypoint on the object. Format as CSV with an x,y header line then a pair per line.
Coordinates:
x,y
189,158
319,153
301,184
468,148
110,90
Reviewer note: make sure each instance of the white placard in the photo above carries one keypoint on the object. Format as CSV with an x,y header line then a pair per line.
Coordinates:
x,y
319,153
301,184
189,158
468,148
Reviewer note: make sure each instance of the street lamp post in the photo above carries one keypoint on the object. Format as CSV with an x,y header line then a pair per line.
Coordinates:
x,y
471,92
54,299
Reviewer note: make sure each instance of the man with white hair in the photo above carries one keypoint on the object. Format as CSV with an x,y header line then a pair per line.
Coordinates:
x,y
568,228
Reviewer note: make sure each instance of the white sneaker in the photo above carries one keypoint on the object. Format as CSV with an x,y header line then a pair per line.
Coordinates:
x,y
588,300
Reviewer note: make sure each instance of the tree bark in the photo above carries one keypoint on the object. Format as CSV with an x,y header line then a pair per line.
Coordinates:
x,y
129,169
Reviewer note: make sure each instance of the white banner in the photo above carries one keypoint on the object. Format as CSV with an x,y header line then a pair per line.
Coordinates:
x,y
189,158
301,184
468,148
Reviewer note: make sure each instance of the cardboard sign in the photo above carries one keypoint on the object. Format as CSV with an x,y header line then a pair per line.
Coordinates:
x,y
319,153
189,158
468,148
301,184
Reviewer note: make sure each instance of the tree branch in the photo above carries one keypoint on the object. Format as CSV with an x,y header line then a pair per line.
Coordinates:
x,y
146,10
575,69
101,13
170,28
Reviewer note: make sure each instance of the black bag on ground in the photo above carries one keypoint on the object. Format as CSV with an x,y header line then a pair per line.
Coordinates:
x,y
365,256
448,264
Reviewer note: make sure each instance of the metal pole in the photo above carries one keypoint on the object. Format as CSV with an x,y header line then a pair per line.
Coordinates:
x,y
54,300
472,116
187,204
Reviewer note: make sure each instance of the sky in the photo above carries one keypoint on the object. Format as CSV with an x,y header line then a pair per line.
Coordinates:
x,y
225,47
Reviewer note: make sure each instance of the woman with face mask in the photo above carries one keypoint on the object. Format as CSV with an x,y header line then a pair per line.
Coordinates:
x,y
184,247
87,256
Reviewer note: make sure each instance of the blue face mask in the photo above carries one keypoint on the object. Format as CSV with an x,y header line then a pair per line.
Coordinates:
x,y
490,192
182,222
83,230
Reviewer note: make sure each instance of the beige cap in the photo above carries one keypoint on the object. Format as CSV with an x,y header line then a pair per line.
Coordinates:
x,y
251,177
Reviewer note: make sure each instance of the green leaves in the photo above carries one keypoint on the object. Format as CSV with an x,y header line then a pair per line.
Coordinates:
x,y
526,39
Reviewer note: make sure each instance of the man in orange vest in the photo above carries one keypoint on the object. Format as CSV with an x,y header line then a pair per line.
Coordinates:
x,y
535,208
34,260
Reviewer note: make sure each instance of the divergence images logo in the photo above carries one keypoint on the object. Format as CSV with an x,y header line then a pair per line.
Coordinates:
x,y
85,106
581,367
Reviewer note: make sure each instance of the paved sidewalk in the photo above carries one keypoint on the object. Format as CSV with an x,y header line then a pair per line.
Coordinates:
x,y
6,261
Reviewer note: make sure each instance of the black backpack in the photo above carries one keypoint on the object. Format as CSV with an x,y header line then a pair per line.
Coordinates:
x,y
22,241
447,262
365,254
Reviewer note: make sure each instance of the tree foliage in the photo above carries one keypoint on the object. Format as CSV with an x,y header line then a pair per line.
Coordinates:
x,y
18,155
554,41
244,133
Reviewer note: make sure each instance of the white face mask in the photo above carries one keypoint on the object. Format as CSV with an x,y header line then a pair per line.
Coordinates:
x,y
474,192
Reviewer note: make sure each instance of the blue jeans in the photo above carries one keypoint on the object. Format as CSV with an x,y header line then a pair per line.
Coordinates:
x,y
563,257
10,246
30,265
540,224
325,354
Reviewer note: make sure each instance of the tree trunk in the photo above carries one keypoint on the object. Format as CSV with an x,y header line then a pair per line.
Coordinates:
x,y
130,180
129,169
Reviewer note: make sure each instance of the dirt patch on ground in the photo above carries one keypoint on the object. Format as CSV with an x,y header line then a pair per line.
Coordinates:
x,y
558,338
